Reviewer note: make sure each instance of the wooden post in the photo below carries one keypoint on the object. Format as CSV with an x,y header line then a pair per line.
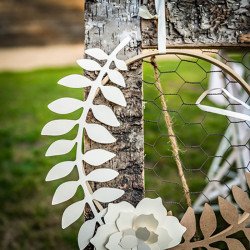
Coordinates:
x,y
200,24
106,23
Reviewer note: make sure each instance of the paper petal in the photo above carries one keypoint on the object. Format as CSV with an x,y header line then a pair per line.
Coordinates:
x,y
164,239
152,206
116,77
147,221
114,211
113,242
58,127
97,157
65,191
99,134
86,233
60,170
114,95
60,147
107,194
102,235
75,81
128,241
89,65
96,53
174,228
72,213
102,175
105,115
125,221
65,105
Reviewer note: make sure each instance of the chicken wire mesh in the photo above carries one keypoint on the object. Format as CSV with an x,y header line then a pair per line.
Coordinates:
x,y
214,149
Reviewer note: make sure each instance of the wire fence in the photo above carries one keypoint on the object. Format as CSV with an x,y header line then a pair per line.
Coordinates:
x,y
214,149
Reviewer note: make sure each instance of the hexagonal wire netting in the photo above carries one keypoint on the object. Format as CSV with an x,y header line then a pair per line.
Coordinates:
x,y
214,149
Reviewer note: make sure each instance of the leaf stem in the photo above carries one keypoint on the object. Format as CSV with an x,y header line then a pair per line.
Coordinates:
x,y
82,121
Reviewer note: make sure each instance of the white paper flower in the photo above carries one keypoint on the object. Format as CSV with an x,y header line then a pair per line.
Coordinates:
x,y
146,227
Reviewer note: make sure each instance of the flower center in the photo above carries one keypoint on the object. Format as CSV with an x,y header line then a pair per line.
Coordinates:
x,y
142,233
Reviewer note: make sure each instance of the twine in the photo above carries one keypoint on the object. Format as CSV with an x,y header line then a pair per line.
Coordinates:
x,y
172,137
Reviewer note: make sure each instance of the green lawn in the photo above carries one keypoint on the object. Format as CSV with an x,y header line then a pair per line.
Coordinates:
x,y
27,220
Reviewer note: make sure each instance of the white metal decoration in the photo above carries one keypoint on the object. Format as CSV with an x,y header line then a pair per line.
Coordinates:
x,y
221,166
95,132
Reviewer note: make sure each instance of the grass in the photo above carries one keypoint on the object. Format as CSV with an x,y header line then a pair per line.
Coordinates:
x,y
26,218
27,221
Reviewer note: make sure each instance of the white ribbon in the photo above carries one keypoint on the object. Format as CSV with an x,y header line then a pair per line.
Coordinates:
x,y
161,30
223,111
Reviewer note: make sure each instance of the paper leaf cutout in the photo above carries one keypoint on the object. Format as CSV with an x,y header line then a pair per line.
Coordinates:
x,y
116,77
75,81
228,211
107,194
65,105
60,147
97,157
189,221
234,244
89,65
58,127
86,233
105,115
98,133
114,95
102,175
248,179
121,65
208,221
65,191
247,233
97,53
60,170
72,213
241,198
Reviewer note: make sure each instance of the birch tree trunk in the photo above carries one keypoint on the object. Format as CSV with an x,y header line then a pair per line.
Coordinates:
x,y
106,23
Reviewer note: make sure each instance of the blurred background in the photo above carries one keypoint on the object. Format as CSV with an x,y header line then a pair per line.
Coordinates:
x,y
39,43
40,33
